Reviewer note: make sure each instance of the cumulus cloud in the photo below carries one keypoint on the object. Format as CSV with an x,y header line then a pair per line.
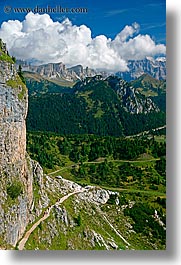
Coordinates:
x,y
41,39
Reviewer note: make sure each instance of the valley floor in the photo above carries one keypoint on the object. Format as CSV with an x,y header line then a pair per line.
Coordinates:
x,y
88,201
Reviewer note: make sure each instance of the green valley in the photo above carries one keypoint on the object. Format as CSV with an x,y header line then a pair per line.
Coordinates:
x,y
131,169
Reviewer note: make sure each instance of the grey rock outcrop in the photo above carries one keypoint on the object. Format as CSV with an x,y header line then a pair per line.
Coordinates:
x,y
94,195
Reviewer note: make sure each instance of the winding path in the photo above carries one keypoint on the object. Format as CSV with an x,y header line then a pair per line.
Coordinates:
x,y
99,162
146,132
63,168
44,217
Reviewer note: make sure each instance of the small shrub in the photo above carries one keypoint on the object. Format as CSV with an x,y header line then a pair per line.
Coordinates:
x,y
78,220
112,199
15,189
153,187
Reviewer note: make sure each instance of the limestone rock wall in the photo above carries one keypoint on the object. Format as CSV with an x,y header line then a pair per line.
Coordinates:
x,y
12,126
16,168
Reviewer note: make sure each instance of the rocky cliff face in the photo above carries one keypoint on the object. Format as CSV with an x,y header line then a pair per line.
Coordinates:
x,y
52,71
59,71
16,168
154,67
132,100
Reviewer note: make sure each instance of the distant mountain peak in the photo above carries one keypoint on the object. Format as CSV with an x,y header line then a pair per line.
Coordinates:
x,y
153,67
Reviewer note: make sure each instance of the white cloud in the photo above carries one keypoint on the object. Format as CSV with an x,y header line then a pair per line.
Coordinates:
x,y
127,32
39,38
138,48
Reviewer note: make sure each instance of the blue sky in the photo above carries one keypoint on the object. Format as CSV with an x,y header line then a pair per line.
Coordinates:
x,y
104,17
106,37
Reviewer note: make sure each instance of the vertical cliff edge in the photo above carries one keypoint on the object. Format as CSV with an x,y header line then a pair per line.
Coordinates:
x,y
16,168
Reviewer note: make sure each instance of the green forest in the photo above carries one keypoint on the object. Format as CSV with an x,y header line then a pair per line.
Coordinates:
x,y
92,108
111,161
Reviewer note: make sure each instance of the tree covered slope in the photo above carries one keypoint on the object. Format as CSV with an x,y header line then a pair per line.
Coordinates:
x,y
94,106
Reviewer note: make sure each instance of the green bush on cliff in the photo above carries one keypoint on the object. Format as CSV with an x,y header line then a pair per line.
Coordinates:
x,y
3,55
15,189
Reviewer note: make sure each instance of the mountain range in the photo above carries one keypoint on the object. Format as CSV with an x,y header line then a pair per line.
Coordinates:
x,y
58,71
